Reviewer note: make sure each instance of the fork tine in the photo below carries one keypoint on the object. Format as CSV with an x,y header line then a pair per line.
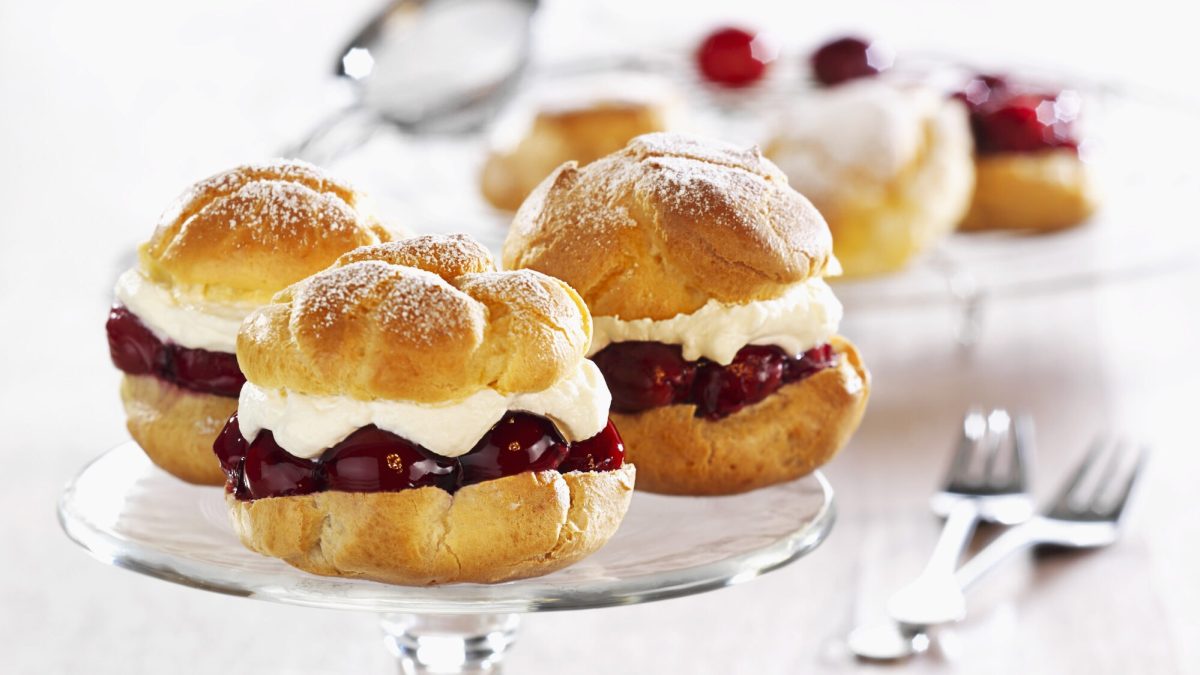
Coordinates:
x,y
1114,511
973,428
1062,501
999,433
1103,486
1022,449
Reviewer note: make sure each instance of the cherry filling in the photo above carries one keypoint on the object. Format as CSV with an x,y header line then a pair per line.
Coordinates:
x,y
645,375
846,59
374,460
1008,118
517,443
136,350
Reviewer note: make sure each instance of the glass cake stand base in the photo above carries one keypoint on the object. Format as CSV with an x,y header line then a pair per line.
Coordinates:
x,y
127,512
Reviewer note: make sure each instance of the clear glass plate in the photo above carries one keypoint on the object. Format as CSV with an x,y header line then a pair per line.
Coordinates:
x,y
127,512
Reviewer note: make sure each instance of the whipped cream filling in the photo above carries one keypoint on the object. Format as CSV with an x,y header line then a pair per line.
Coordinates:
x,y
307,425
173,316
805,316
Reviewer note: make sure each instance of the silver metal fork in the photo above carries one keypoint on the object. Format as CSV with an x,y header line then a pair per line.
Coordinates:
x,y
987,481
1086,513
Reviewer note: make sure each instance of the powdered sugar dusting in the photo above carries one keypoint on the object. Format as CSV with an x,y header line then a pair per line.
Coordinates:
x,y
229,182
448,256
425,308
523,290
681,179
738,199
271,210
416,303
661,211
333,294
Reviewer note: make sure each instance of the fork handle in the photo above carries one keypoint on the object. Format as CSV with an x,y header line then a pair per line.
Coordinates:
x,y
956,534
989,558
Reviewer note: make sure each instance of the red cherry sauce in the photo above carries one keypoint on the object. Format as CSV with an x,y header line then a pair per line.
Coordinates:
x,y
1007,118
374,460
645,375
136,350
603,452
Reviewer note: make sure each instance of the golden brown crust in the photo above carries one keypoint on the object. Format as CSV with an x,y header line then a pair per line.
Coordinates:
x,y
515,527
176,427
667,224
374,327
787,435
878,226
1040,191
581,134
242,235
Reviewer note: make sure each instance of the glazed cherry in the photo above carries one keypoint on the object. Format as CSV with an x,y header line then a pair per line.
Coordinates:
x,y
643,375
230,447
236,484
136,350
133,346
846,59
732,57
211,372
755,373
271,471
517,443
1022,123
603,452
809,363
1006,117
374,460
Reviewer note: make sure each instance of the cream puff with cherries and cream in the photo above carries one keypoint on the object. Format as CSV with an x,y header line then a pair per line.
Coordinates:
x,y
225,247
1029,175
889,166
714,327
413,416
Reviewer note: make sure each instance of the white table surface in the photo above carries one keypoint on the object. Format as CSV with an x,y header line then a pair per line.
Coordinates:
x,y
107,110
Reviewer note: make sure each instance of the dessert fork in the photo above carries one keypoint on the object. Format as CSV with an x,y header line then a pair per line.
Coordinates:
x,y
987,481
1086,513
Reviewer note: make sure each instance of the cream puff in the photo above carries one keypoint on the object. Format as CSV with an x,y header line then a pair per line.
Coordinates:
x,y
584,121
226,246
413,416
714,327
1028,172
889,166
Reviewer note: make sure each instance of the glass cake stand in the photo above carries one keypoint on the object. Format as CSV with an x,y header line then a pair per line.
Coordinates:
x,y
128,513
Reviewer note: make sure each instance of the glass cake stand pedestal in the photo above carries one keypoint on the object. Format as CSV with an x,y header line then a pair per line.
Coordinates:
x,y
127,512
